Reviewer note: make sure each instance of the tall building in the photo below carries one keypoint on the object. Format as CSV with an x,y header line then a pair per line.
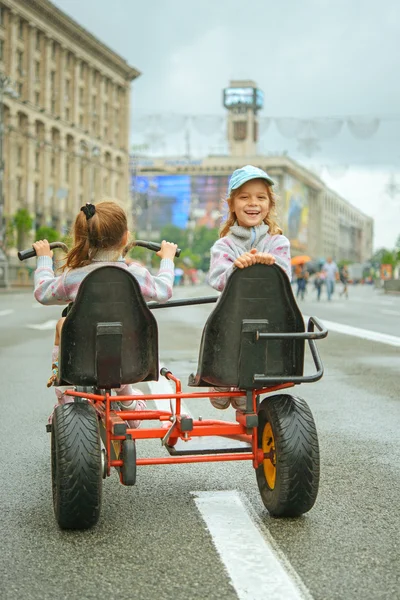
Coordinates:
x,y
184,192
66,101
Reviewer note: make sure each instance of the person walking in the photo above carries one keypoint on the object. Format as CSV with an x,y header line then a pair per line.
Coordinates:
x,y
344,278
331,275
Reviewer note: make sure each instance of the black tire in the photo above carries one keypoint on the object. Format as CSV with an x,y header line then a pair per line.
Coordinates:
x,y
288,480
76,467
128,455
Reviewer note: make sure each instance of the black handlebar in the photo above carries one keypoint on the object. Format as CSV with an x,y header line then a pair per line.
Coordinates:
x,y
153,246
31,252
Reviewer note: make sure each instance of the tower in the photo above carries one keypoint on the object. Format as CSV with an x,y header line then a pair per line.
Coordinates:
x,y
243,100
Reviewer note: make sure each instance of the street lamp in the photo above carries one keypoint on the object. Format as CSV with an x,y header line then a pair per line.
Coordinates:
x,y
5,88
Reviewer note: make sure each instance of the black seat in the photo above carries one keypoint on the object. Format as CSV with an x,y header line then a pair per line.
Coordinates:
x,y
257,298
109,337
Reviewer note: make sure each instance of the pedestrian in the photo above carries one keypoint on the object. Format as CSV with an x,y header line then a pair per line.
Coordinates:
x,y
301,279
344,278
318,283
250,235
100,235
331,275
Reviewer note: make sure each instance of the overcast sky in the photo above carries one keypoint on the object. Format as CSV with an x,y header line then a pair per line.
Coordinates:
x,y
310,57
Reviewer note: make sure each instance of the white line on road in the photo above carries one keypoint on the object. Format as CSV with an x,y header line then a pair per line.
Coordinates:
x,y
255,568
6,312
43,326
365,334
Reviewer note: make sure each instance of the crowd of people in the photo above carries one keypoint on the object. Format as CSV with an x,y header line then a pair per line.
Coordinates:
x,y
326,277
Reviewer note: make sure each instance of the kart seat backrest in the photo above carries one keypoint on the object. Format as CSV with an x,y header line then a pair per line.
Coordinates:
x,y
109,336
259,293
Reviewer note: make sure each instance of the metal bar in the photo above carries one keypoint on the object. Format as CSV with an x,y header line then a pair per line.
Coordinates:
x,y
193,459
309,335
187,302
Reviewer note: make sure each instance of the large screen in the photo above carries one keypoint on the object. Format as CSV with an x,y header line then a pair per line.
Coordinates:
x,y
245,96
177,199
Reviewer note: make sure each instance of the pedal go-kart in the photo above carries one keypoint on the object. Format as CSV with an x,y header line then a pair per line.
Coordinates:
x,y
254,340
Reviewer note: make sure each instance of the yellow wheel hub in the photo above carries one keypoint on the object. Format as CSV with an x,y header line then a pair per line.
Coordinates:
x,y
268,447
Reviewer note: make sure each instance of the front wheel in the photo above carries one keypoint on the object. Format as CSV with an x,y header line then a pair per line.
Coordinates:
x,y
288,477
76,465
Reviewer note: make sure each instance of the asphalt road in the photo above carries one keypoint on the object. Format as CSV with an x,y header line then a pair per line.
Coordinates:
x,y
151,541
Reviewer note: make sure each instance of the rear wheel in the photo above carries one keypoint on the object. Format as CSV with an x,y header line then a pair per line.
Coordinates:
x,y
288,477
76,465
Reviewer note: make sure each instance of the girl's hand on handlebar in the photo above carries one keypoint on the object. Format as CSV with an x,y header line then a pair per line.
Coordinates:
x,y
246,259
167,250
264,258
42,248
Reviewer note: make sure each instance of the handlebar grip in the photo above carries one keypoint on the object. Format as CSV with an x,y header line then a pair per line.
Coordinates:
x,y
31,252
154,246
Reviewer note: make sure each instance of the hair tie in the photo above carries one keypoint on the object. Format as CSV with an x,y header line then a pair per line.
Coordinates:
x,y
89,210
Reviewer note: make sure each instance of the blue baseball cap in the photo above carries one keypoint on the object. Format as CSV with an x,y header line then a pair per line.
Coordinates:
x,y
241,176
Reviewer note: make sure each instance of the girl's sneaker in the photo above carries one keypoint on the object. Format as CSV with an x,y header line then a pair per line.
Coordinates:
x,y
222,402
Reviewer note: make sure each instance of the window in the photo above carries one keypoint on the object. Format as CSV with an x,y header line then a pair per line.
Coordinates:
x,y
21,29
37,98
37,160
36,195
53,50
38,38
68,59
81,92
67,89
2,11
19,156
19,188
67,114
20,59
1,50
67,169
53,166
80,120
37,70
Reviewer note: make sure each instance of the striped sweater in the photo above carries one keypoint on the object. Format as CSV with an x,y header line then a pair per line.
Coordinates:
x,y
62,289
242,239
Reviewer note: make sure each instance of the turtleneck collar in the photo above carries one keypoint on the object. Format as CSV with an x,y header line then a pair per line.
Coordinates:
x,y
248,237
111,255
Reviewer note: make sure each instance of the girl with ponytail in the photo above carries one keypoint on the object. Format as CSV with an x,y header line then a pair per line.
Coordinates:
x,y
100,235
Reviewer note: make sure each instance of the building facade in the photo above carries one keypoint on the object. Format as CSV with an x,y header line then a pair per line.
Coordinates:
x,y
65,117
185,192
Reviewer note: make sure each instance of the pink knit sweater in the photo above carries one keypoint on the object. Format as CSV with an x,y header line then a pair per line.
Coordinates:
x,y
242,239
62,289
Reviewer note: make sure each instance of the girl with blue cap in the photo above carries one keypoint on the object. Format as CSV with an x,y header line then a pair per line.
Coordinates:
x,y
250,235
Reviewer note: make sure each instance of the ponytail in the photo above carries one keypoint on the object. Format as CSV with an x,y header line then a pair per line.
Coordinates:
x,y
104,230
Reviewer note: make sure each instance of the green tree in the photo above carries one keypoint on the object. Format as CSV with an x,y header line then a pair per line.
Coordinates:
x,y
47,233
23,224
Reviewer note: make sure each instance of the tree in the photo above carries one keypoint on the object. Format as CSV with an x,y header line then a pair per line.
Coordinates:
x,y
23,223
47,233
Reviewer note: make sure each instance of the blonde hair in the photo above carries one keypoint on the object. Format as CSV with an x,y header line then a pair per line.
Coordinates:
x,y
269,220
104,230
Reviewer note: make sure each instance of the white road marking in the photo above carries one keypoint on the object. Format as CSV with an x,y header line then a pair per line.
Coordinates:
x,y
43,326
6,312
365,334
164,386
257,570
